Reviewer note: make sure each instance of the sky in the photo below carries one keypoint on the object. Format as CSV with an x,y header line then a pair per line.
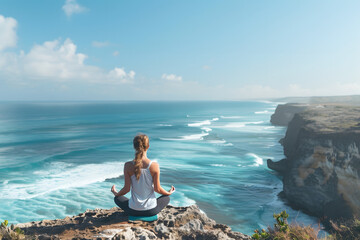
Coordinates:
x,y
54,50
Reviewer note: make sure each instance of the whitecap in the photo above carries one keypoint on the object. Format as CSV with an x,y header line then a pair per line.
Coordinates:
x,y
183,201
231,117
222,141
263,112
265,101
206,129
62,176
233,125
239,124
228,144
198,124
199,136
215,119
258,160
217,165
164,125
6,182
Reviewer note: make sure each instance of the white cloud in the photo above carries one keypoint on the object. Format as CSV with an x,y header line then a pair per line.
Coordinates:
x,y
116,53
119,75
171,77
100,44
59,62
71,7
7,32
53,60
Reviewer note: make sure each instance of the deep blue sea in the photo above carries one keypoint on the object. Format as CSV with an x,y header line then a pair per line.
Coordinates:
x,y
59,159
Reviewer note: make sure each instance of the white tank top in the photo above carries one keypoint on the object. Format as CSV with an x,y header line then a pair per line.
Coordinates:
x,y
142,191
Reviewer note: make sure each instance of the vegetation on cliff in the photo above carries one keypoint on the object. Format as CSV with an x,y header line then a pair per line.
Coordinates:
x,y
282,230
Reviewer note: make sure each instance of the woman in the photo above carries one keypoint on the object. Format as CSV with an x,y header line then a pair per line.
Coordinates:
x,y
143,176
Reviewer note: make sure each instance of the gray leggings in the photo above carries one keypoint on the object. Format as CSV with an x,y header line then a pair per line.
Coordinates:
x,y
123,203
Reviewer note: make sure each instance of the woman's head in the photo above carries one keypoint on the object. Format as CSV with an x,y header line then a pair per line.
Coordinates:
x,y
141,145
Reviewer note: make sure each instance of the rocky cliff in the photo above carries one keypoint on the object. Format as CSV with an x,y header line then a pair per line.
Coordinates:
x,y
322,165
285,112
173,223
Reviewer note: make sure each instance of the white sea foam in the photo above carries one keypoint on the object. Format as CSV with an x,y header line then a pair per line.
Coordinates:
x,y
269,127
263,112
199,124
228,144
233,125
231,117
202,123
265,101
182,201
206,129
164,125
194,136
217,165
258,160
199,136
220,141
62,176
6,182
239,124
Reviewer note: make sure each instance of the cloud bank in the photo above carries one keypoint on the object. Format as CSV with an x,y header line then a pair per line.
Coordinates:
x,y
55,60
7,32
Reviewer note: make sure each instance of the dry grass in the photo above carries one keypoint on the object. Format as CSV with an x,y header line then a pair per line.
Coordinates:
x,y
296,232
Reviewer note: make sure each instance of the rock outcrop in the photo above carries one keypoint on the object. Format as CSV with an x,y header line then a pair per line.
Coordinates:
x,y
322,165
173,223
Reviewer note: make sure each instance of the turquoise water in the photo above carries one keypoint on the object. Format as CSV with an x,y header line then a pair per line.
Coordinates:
x,y
59,159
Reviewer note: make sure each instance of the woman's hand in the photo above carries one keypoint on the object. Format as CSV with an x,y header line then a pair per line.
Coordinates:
x,y
113,190
172,190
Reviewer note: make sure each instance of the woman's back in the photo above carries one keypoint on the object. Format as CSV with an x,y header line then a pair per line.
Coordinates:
x,y
142,178
142,191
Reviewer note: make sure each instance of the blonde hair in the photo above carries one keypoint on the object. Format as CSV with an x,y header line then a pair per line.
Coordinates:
x,y
141,144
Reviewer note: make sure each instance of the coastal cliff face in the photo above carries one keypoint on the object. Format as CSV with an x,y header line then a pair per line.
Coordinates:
x,y
322,165
173,223
285,112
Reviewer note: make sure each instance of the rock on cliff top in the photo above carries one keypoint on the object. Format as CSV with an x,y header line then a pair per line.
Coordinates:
x,y
173,223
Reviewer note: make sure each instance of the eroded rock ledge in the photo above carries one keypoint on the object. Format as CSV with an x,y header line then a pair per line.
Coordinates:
x,y
173,223
322,165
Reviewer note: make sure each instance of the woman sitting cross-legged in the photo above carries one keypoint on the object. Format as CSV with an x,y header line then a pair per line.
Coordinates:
x,y
142,176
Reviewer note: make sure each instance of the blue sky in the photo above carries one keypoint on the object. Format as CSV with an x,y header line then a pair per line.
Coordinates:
x,y
178,50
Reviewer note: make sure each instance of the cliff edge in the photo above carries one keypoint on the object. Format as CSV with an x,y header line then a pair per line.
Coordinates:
x,y
322,165
173,223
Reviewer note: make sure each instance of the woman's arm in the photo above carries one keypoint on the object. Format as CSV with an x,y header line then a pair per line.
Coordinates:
x,y
127,183
156,181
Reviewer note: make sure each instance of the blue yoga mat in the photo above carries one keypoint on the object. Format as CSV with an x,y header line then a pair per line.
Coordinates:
x,y
143,218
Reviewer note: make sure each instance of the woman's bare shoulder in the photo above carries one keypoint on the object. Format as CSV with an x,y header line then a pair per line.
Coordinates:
x,y
154,166
129,165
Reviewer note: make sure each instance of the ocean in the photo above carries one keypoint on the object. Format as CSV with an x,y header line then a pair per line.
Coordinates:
x,y
58,159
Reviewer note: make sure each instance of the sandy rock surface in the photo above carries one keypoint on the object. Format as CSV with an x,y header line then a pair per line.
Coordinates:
x,y
173,223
